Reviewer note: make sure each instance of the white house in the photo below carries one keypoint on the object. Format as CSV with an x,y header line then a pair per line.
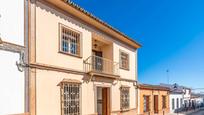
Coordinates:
x,y
12,78
187,96
179,97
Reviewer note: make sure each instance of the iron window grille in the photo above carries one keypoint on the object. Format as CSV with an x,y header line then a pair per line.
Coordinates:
x,y
70,98
146,103
124,98
124,60
70,41
163,102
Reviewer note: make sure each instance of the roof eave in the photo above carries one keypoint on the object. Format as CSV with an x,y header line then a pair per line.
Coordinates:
x,y
93,21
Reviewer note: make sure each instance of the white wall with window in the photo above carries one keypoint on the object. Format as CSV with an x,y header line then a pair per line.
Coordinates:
x,y
175,102
11,84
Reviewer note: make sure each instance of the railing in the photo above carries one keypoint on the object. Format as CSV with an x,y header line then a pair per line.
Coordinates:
x,y
101,65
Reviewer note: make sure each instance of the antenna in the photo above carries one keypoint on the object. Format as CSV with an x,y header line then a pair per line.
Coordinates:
x,y
167,73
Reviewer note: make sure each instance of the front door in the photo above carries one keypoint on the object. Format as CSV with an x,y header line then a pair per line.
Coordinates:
x,y
103,101
156,104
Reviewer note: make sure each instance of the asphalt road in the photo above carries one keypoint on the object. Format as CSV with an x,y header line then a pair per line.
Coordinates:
x,y
200,112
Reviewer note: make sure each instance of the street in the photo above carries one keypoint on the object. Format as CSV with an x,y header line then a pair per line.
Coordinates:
x,y
200,112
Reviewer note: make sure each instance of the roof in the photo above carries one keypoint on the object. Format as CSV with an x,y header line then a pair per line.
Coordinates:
x,y
83,11
152,87
175,88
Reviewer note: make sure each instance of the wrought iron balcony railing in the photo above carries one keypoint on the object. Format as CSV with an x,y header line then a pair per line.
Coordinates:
x,y
101,65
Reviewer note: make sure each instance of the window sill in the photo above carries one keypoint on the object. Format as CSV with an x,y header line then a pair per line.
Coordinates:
x,y
127,69
70,54
124,110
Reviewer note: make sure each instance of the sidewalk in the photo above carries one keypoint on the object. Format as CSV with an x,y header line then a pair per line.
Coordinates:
x,y
188,112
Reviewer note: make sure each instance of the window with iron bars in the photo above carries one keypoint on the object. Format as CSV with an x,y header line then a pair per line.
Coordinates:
x,y
163,102
124,60
124,98
70,41
146,103
70,99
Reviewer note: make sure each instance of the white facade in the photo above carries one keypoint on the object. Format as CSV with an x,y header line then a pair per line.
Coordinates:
x,y
176,102
186,96
11,84
12,81
12,21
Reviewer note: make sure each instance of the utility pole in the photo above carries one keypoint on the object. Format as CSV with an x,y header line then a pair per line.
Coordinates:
x,y
167,73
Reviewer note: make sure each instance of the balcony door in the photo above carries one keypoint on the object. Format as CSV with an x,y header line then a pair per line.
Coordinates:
x,y
97,61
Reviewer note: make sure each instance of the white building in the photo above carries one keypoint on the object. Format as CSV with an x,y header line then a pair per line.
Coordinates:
x,y
187,96
12,80
179,97
176,101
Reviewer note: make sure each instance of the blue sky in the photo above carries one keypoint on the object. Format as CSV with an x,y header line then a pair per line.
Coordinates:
x,y
171,33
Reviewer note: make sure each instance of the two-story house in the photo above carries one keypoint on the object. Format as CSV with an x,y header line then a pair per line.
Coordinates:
x,y
76,63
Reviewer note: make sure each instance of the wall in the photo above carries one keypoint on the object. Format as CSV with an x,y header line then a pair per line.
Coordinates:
x,y
175,96
151,93
11,84
12,21
47,52
47,39
131,73
47,42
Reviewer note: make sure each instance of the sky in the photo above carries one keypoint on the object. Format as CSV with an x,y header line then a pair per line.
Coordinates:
x,y
171,33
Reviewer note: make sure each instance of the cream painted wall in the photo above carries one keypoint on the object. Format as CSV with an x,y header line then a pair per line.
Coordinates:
x,y
47,39
131,73
47,45
47,42
12,21
48,93
11,84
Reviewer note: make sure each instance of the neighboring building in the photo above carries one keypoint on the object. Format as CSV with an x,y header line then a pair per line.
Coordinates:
x,y
153,99
197,99
180,97
187,96
12,78
74,64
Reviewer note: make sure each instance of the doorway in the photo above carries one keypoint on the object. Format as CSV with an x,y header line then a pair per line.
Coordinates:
x,y
156,105
97,60
103,101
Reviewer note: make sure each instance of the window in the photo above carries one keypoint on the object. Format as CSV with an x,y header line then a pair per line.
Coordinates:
x,y
70,98
69,41
181,102
177,103
124,60
163,102
124,98
173,104
146,104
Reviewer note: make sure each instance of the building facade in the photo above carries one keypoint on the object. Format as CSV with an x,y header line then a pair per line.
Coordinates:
x,y
180,97
74,63
153,99
12,78
176,102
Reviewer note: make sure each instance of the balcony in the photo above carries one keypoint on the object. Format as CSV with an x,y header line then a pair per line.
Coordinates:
x,y
96,65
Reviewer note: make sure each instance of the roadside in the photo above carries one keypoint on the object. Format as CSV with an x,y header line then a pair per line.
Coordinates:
x,y
192,112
